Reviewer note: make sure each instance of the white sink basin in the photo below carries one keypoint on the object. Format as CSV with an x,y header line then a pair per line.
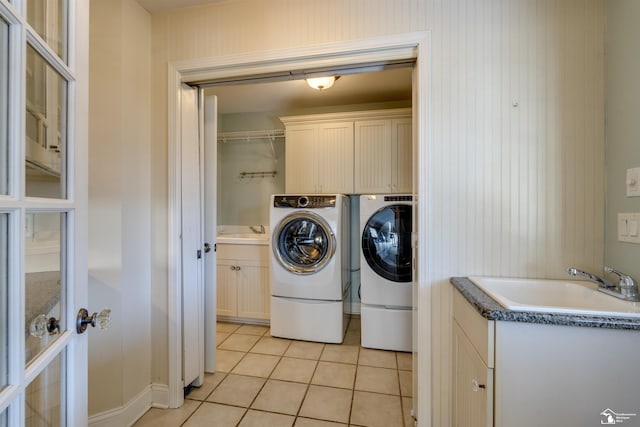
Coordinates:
x,y
555,296
243,238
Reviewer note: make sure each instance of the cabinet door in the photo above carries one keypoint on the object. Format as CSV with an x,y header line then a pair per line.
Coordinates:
x,y
334,156
254,298
301,164
372,145
226,277
472,384
401,156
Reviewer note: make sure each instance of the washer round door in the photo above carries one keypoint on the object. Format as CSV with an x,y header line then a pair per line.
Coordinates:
x,y
303,243
386,242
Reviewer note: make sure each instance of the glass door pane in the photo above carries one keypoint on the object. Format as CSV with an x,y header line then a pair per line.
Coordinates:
x,y
48,18
4,101
46,129
44,397
4,284
43,281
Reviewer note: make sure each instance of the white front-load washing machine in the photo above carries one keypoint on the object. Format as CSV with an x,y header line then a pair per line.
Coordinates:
x,y
386,271
310,269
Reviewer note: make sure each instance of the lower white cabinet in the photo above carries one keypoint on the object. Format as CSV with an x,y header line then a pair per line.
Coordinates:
x,y
243,281
472,384
472,377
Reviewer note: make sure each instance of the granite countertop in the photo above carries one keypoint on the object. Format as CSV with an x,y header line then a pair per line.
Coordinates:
x,y
491,310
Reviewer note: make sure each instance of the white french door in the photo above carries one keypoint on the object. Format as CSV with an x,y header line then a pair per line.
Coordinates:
x,y
43,212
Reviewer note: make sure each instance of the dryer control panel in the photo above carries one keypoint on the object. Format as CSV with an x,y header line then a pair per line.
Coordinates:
x,y
302,201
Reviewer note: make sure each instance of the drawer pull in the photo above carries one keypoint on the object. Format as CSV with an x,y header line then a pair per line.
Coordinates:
x,y
477,386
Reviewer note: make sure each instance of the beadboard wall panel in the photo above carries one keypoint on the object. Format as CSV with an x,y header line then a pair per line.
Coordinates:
x,y
517,129
518,137
517,166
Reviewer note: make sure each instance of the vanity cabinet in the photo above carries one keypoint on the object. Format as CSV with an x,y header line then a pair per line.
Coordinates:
x,y
243,281
547,372
349,153
382,152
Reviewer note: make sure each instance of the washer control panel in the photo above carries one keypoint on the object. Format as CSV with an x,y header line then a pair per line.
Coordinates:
x,y
304,201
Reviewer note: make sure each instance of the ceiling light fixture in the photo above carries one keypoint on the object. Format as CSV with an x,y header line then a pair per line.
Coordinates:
x,y
322,83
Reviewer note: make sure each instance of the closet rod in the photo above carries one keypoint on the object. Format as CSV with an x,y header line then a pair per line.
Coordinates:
x,y
251,135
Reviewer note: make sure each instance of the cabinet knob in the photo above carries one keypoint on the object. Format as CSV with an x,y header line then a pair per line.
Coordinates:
x,y
233,267
477,386
237,267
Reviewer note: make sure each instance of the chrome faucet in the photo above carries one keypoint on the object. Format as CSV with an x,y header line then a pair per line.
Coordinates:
x,y
626,285
626,289
261,230
591,277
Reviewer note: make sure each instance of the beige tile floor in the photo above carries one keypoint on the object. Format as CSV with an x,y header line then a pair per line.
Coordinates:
x,y
272,382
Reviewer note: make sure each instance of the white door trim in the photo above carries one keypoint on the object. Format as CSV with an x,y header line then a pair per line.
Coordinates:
x,y
387,48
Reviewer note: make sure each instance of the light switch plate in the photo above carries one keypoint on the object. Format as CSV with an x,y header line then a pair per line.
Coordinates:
x,y
632,183
629,227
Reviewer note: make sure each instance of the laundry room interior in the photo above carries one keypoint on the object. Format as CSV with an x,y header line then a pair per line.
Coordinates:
x,y
251,157
311,184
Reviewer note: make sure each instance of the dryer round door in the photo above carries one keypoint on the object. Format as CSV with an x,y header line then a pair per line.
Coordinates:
x,y
386,242
303,243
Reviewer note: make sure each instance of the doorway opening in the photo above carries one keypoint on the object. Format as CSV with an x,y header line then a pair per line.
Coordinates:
x,y
409,47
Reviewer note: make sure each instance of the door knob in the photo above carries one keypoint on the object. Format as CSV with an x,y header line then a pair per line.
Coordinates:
x,y
43,324
102,319
207,248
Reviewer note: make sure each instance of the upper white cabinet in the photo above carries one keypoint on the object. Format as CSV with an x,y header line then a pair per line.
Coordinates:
x,y
319,158
349,153
383,156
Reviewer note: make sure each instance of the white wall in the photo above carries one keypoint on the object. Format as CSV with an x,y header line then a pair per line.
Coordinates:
x,y
119,202
623,126
517,169
245,201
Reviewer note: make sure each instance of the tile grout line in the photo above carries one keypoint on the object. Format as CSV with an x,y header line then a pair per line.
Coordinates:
x,y
246,410
280,357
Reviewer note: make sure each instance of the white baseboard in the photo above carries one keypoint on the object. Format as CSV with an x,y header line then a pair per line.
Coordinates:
x,y
160,396
155,395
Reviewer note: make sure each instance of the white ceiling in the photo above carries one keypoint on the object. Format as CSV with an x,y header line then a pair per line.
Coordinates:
x,y
374,87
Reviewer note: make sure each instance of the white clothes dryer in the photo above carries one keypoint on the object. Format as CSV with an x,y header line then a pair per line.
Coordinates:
x,y
386,271
310,271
